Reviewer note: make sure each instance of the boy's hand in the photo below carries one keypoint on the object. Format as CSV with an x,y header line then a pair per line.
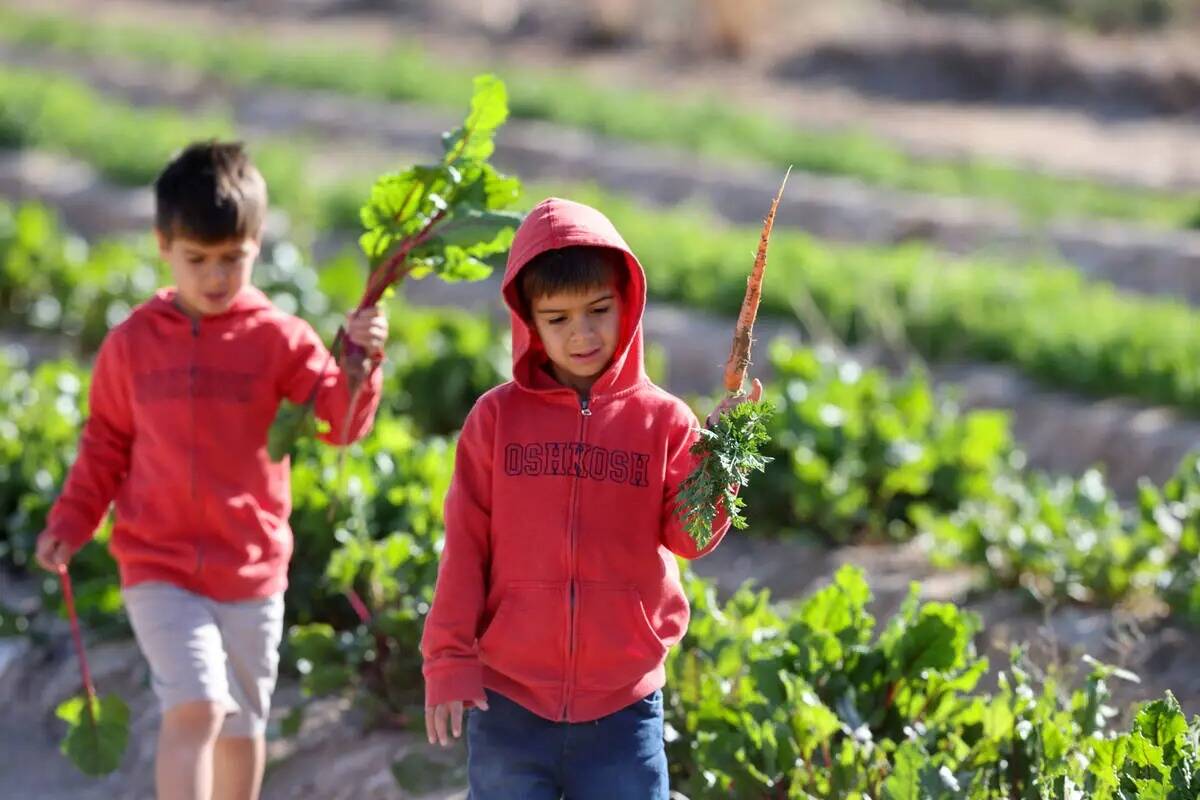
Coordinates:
x,y
368,328
735,400
51,551
437,717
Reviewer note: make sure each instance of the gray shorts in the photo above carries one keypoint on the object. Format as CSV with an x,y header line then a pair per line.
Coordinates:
x,y
199,649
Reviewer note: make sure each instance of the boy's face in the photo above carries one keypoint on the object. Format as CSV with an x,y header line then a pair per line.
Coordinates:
x,y
579,331
208,275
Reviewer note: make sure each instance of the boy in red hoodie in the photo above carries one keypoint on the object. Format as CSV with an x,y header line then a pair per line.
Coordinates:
x,y
558,594
183,393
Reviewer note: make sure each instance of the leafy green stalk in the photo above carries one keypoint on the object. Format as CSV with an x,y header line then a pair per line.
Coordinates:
x,y
448,219
98,728
97,732
728,452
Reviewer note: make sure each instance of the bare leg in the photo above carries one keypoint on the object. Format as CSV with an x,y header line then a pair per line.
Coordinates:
x,y
238,767
183,765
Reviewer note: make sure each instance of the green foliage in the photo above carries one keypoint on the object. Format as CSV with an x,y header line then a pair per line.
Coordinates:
x,y
857,452
41,412
54,282
726,454
1061,538
447,219
128,144
709,125
41,110
439,363
95,740
452,214
815,705
1045,319
1174,510
386,539
292,423
1068,539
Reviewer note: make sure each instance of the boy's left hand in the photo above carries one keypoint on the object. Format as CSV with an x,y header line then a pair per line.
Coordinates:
x,y
368,328
735,400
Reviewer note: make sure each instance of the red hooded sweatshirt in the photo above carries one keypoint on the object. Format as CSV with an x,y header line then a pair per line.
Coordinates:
x,y
557,586
177,435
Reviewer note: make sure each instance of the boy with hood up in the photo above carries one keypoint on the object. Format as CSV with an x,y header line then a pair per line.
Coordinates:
x,y
558,594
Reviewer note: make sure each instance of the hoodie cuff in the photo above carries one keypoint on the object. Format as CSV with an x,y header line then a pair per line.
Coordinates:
x,y
74,532
458,680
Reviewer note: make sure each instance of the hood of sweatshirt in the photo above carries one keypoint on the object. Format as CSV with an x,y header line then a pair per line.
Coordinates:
x,y
552,224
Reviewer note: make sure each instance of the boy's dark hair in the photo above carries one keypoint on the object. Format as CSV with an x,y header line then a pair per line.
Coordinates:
x,y
210,192
571,269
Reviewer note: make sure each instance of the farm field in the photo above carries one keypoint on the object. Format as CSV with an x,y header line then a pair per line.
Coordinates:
x,y
979,539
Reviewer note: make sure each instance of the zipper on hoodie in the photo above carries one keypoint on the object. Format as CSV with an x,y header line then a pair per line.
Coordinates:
x,y
585,411
192,447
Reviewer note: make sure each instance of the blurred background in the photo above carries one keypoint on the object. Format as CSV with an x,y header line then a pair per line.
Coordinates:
x,y
979,324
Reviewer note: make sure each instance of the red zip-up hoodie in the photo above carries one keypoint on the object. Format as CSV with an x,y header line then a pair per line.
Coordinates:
x,y
177,435
557,587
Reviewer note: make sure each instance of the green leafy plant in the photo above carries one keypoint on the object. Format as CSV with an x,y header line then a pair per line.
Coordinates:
x,y
98,727
97,733
383,557
126,143
446,219
858,451
815,704
1067,539
727,454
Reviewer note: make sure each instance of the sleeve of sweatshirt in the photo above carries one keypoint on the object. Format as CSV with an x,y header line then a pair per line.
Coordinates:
x,y
104,449
451,662
680,463
307,364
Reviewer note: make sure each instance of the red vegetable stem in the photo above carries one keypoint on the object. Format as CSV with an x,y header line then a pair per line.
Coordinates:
x,y
360,608
390,272
64,578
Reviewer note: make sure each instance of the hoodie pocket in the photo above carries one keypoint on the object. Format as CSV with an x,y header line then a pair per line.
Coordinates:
x,y
526,639
617,644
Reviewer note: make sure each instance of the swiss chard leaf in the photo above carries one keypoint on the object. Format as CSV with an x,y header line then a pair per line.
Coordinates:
x,y
95,742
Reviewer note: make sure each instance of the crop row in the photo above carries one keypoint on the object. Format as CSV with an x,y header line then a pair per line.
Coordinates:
x,y
1043,318
711,126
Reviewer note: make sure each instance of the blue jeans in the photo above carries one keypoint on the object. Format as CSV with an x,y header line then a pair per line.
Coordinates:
x,y
513,754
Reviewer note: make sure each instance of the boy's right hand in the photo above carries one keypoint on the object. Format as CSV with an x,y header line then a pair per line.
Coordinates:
x,y
446,718
51,551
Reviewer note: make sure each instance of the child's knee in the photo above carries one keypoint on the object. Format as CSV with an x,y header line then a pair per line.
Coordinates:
x,y
198,721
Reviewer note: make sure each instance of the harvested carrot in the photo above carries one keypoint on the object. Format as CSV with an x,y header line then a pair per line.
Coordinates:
x,y
729,449
739,354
